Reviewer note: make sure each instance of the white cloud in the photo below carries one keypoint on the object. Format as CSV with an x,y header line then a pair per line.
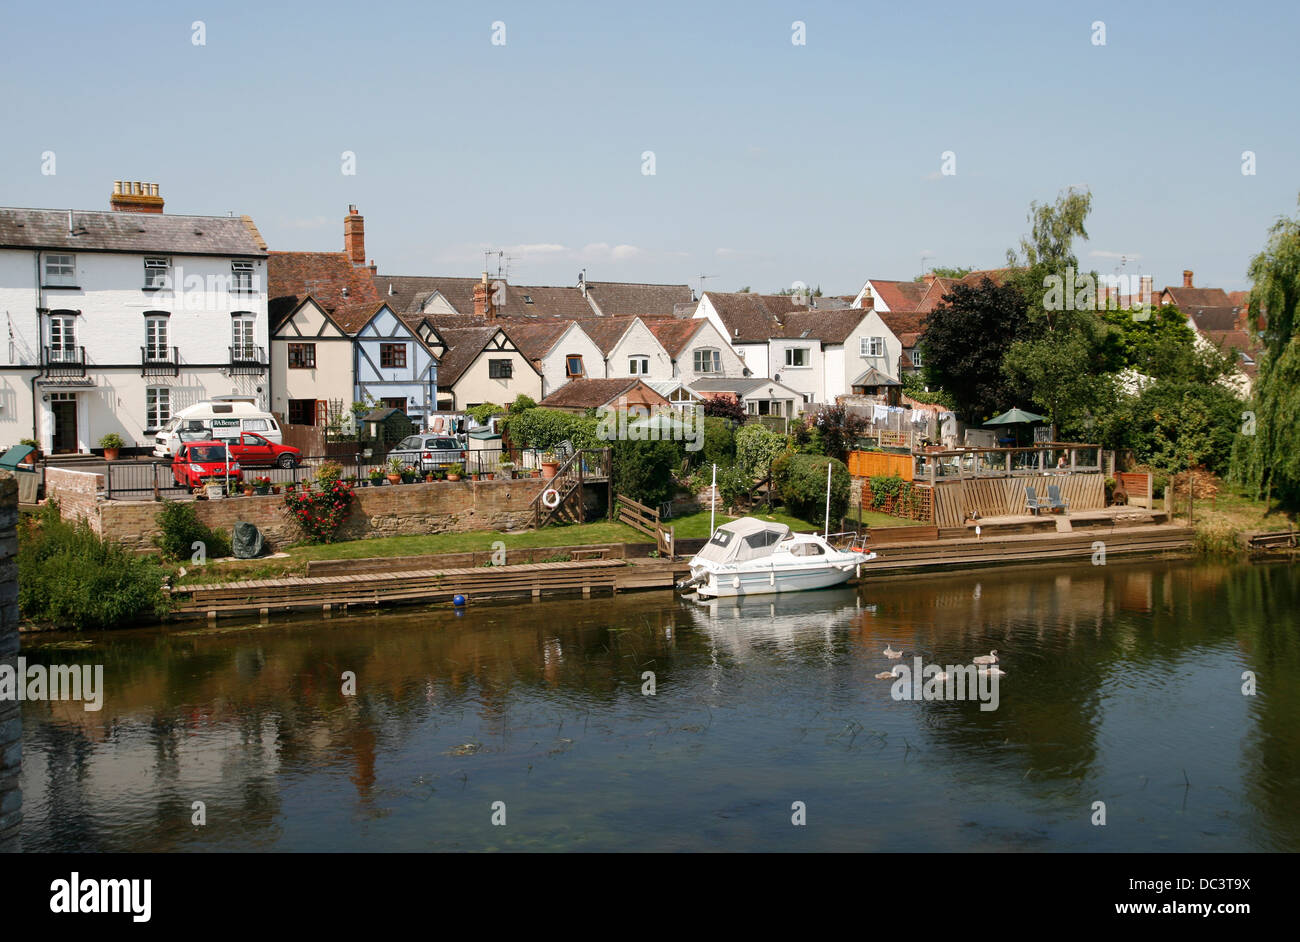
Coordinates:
x,y
536,248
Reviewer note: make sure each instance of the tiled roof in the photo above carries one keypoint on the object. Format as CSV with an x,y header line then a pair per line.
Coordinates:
x,y
130,232
409,292
605,332
1212,318
907,326
615,297
1242,342
535,341
741,386
345,291
463,347
828,326
1189,298
589,393
995,275
935,292
900,295
751,318
674,333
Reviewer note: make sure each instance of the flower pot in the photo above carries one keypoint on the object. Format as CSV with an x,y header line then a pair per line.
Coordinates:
x,y
215,491
275,488
110,454
262,490
489,475
550,468
453,477
248,491
394,479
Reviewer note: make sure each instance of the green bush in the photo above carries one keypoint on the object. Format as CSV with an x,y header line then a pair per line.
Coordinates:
x,y
69,577
757,447
734,484
522,403
719,445
801,481
481,413
182,528
643,471
546,428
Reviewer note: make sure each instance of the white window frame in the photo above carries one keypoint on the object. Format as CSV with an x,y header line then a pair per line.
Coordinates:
x,y
638,365
244,324
713,354
157,406
64,349
60,269
157,272
241,276
156,336
789,360
916,358
871,346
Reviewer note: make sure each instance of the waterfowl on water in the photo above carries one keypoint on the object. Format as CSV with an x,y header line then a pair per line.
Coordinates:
x,y
889,675
993,671
990,658
891,653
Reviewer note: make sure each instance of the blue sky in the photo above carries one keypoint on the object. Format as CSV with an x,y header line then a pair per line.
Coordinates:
x,y
773,162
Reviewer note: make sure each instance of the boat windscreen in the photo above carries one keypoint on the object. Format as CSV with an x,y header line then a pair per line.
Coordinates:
x,y
757,545
718,549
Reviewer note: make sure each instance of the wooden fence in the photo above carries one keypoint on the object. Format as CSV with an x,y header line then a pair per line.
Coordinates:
x,y
866,464
640,517
1136,486
995,497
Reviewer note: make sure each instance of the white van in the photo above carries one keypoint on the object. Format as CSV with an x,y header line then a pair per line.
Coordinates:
x,y
218,417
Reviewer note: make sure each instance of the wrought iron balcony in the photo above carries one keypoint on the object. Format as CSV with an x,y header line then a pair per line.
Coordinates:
x,y
63,361
160,361
246,359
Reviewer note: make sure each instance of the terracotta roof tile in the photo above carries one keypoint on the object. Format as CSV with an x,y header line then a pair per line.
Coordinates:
x,y
589,393
615,297
346,292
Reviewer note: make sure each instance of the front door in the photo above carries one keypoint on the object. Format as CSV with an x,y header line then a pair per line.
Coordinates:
x,y
63,406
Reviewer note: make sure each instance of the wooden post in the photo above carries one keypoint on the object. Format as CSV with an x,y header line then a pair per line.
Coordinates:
x,y
157,494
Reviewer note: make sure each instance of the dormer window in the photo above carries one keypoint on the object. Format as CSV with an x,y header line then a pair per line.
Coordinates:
x,y
157,272
573,365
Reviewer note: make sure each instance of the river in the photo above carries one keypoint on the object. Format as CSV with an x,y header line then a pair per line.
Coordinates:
x,y
1123,686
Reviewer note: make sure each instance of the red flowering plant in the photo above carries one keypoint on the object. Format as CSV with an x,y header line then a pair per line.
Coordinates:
x,y
321,512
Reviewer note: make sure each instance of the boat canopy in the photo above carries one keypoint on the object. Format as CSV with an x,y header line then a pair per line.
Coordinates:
x,y
743,539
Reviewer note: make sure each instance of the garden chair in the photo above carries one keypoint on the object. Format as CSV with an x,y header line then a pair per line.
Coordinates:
x,y
1031,497
1054,499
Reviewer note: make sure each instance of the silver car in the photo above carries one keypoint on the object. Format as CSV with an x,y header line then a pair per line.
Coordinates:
x,y
429,452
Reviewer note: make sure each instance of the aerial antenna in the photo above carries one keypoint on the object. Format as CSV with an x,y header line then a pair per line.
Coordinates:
x,y
924,256
702,279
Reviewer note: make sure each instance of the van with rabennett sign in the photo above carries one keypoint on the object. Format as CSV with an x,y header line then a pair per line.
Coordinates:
x,y
221,418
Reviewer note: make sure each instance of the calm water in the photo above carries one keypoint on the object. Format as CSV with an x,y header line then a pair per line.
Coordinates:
x,y
1123,685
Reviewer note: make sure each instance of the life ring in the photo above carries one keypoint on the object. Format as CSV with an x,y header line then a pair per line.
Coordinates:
x,y
546,498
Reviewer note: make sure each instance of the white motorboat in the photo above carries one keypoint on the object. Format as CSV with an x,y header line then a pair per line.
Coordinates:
x,y
756,557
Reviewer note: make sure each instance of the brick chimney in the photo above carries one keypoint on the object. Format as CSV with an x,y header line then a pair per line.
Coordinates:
x,y
132,196
1187,277
354,237
929,277
483,299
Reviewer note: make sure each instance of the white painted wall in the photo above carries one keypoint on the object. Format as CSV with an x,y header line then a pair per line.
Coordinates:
x,y
855,363
710,338
808,380
572,341
637,340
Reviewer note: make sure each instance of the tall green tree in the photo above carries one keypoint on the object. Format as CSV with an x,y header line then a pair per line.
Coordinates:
x,y
966,338
1266,455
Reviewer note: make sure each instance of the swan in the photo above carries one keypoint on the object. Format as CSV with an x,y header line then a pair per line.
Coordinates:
x,y
890,675
891,653
993,671
990,658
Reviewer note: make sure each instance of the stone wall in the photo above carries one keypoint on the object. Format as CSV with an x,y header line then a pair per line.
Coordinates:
x,y
389,510
11,799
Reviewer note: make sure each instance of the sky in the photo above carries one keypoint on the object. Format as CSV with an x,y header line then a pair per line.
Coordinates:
x,y
524,128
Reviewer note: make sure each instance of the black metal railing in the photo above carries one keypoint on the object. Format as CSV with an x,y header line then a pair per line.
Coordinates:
x,y
64,361
160,361
246,358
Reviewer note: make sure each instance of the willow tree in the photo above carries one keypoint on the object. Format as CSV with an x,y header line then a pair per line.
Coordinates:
x,y
1266,456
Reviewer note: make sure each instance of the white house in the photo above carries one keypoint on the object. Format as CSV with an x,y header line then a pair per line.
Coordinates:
x,y
560,351
118,319
748,321
478,365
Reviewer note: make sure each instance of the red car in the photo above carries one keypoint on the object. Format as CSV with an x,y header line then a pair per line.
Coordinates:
x,y
251,449
199,463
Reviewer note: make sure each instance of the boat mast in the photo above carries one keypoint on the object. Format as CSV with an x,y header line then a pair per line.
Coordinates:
x,y
827,532
713,499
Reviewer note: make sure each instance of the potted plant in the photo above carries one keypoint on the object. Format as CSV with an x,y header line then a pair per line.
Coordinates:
x,y
112,444
409,474
376,477
289,487
275,488
428,477
454,472
394,470
507,469
262,485
35,446
550,464
489,475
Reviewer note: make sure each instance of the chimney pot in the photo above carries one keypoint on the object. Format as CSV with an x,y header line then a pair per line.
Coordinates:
x,y
132,196
1187,277
117,187
354,237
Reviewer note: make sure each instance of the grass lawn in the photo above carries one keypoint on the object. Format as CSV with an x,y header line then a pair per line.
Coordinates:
x,y
1234,511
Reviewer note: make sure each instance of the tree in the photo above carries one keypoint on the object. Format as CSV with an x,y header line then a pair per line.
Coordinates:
x,y
1053,229
839,429
966,338
939,271
1275,293
724,407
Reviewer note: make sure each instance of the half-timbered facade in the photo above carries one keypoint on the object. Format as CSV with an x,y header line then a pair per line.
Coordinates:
x,y
394,367
478,365
311,367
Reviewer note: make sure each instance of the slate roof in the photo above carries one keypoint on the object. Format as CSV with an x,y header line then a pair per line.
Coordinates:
x,y
589,393
612,298
345,291
741,386
409,293
164,233
1212,318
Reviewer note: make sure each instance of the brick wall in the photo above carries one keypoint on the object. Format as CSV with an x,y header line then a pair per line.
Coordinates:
x,y
11,799
390,510
76,493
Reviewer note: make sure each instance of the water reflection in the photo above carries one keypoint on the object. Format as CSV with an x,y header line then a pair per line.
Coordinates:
x,y
1123,685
